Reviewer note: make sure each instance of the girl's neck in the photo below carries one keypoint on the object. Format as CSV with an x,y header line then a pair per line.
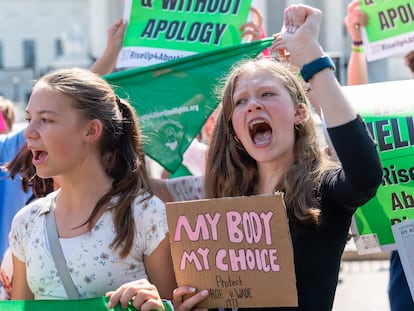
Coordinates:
x,y
270,175
81,193
74,205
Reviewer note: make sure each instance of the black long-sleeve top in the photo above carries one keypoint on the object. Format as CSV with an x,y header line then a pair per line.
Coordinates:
x,y
318,252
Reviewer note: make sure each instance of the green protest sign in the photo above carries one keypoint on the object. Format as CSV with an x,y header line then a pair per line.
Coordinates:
x,y
165,30
390,28
388,109
91,304
174,99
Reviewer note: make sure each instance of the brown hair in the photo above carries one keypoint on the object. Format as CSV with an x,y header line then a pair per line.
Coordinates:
x,y
21,166
409,60
122,153
231,171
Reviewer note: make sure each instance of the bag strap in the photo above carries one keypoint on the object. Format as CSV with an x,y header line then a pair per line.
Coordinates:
x,y
57,254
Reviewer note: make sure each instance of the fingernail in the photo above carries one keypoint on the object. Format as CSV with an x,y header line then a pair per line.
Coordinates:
x,y
204,292
192,289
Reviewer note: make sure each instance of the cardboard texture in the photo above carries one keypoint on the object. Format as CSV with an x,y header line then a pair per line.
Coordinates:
x,y
239,249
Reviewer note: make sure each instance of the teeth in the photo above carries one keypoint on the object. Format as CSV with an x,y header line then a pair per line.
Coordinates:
x,y
256,121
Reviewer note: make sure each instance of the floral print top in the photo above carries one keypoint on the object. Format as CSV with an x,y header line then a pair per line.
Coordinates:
x,y
186,188
94,265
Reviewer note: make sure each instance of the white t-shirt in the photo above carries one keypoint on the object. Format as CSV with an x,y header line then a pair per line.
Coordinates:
x,y
186,188
94,266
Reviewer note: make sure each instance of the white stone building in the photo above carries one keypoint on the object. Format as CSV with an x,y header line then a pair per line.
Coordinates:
x,y
37,35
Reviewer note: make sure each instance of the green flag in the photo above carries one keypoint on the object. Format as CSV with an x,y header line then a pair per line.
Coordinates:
x,y
174,99
91,304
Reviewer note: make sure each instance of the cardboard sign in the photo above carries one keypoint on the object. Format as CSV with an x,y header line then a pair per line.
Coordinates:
x,y
404,238
239,249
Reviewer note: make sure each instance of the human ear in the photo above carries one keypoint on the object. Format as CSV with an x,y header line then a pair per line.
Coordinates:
x,y
93,130
301,113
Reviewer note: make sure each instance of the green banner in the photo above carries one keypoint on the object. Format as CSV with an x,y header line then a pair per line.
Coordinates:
x,y
388,109
164,30
390,28
91,304
174,99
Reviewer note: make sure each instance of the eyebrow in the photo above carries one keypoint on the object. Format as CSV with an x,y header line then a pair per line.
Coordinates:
x,y
41,112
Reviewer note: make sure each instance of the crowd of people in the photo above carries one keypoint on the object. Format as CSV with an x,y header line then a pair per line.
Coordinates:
x,y
90,201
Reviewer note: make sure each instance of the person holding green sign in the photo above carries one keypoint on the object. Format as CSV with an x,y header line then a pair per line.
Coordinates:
x,y
265,141
399,295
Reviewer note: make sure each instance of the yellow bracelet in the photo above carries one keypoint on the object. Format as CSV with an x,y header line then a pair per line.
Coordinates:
x,y
358,49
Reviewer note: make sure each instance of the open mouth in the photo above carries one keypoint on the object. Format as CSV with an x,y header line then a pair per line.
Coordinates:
x,y
38,156
260,132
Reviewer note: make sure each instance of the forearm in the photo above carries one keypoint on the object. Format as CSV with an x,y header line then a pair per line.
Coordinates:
x,y
160,270
160,189
357,71
105,64
326,94
20,288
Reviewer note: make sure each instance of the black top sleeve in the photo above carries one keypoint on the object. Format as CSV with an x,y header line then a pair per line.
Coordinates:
x,y
362,171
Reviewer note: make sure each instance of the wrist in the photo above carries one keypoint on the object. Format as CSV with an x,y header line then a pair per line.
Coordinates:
x,y
111,52
310,69
306,50
357,49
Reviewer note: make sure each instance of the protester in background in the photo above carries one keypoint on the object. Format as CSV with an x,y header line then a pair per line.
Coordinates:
x,y
399,295
80,132
357,71
6,274
265,141
21,167
12,197
7,115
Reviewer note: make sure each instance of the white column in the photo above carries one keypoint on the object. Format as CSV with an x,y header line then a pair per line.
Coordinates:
x,y
333,23
98,25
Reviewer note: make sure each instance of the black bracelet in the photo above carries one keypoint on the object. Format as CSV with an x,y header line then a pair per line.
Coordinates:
x,y
357,43
310,69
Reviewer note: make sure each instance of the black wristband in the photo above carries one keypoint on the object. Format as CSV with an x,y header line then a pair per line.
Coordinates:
x,y
310,69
